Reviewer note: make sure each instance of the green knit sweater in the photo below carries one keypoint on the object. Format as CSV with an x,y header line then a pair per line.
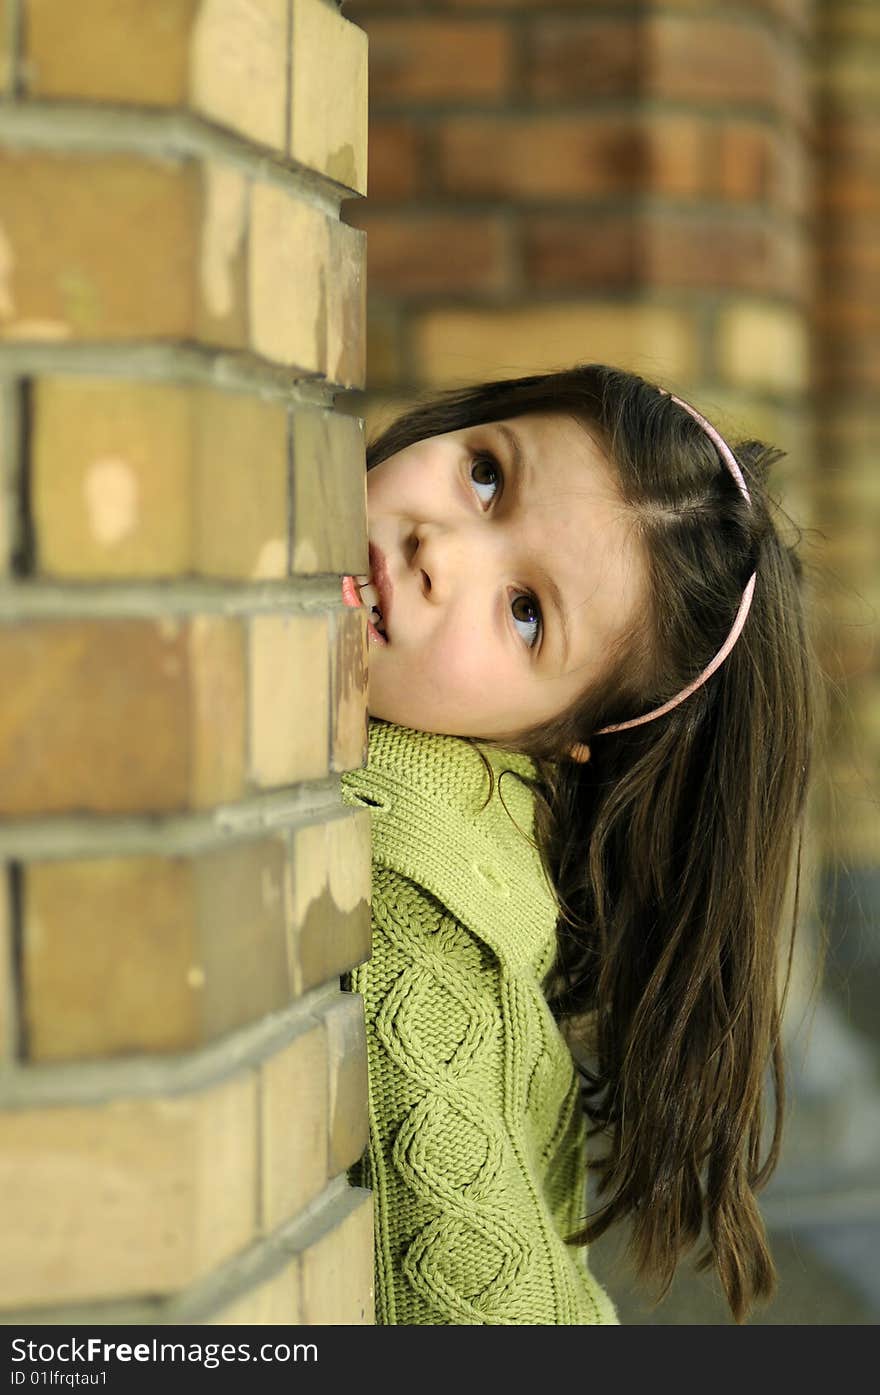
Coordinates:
x,y
476,1153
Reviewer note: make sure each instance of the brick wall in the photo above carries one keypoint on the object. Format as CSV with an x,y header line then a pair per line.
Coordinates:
x,y
563,181
182,1080
848,479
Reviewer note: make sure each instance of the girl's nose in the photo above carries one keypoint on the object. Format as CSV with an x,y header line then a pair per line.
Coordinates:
x,y
444,559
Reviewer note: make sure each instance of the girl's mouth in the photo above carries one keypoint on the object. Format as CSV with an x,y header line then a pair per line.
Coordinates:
x,y
360,591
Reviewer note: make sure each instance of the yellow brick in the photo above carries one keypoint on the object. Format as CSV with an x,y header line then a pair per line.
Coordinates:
x,y
329,493
348,688
329,94
224,58
337,1270
109,50
294,1126
81,996
135,1196
764,347
346,306
147,247
453,346
222,270
240,487
121,214
287,277
243,935
289,698
228,1170
8,1010
276,1301
329,898
112,492
217,716
157,479
117,716
8,475
347,1051
205,950
239,67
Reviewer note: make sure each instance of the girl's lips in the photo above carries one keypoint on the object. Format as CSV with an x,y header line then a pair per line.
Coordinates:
x,y
351,596
350,593
382,582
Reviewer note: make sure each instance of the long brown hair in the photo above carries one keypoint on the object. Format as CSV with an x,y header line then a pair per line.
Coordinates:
x,y
672,849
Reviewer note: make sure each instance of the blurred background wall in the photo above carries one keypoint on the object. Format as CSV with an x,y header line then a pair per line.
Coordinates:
x,y
689,189
182,1082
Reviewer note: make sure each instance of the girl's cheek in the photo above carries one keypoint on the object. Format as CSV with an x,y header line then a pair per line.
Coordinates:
x,y
470,663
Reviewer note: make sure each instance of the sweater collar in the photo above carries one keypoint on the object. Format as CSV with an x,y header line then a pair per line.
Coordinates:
x,y
427,794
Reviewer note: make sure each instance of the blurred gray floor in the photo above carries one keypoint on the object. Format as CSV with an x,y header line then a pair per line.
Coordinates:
x,y
822,1206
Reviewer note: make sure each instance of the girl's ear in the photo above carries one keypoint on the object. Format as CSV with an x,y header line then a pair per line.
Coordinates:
x,y
579,752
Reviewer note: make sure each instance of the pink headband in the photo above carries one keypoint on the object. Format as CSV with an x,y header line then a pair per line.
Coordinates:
x,y
729,460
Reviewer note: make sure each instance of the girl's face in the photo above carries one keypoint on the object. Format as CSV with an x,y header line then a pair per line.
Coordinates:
x,y
512,568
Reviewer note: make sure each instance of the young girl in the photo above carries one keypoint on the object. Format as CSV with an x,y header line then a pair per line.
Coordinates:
x,y
591,698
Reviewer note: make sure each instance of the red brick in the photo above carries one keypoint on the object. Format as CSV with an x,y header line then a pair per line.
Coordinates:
x,y
575,58
792,176
714,252
675,155
848,149
708,250
716,61
590,155
592,251
427,60
855,317
395,158
850,255
752,162
798,14
741,158
424,252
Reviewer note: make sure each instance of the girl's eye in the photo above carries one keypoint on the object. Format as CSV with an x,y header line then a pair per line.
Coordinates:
x,y
532,604
483,460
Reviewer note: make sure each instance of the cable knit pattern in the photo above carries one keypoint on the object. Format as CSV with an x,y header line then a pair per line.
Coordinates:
x,y
476,1155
